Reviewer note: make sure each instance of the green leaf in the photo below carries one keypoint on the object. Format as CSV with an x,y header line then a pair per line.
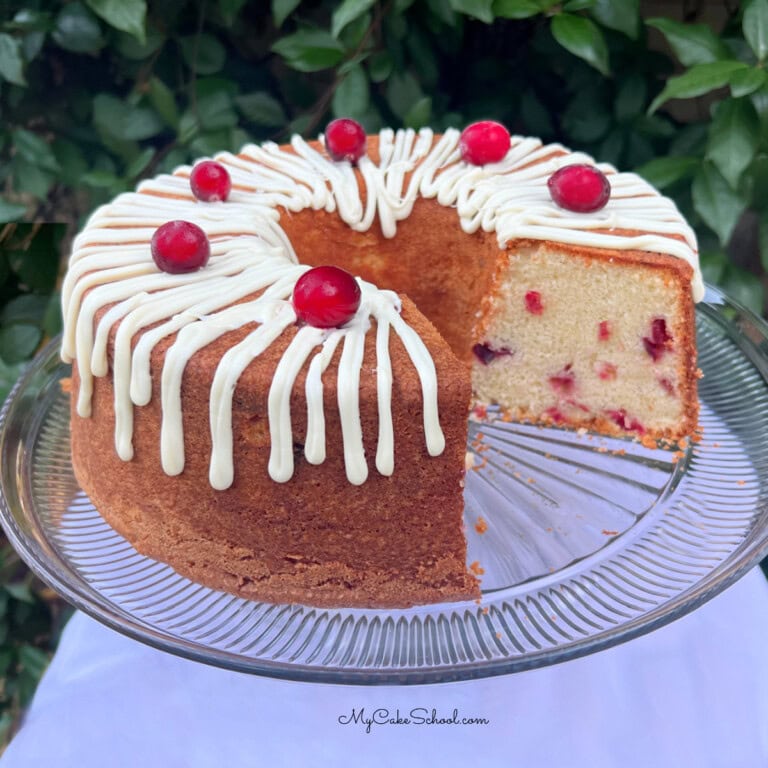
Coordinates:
x,y
380,66
713,265
25,308
348,11
310,50
124,121
282,9
126,15
746,81
76,29
477,9
31,45
11,211
719,206
129,47
692,43
34,149
139,163
215,111
19,341
353,33
33,660
203,53
20,591
583,38
621,15
630,99
35,259
230,9
734,135
663,171
352,95
9,374
162,99
30,178
697,81
744,287
71,161
763,239
52,319
261,108
11,61
403,91
515,9
419,114
755,26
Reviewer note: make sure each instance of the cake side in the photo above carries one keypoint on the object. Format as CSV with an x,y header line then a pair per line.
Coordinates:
x,y
394,541
593,339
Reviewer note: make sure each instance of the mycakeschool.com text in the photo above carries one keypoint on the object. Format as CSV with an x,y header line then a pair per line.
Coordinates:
x,y
424,716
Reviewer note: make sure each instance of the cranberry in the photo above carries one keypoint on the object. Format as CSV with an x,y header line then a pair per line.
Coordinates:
x,y
656,344
627,423
326,297
606,371
486,354
579,188
180,246
345,139
603,330
555,414
484,142
210,181
533,302
564,382
667,386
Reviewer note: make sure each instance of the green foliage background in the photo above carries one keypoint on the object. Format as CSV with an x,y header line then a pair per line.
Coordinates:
x,y
97,94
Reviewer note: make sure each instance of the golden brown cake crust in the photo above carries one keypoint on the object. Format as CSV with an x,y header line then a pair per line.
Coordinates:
x,y
316,539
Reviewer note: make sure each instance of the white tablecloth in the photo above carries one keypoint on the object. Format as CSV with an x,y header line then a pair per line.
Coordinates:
x,y
694,693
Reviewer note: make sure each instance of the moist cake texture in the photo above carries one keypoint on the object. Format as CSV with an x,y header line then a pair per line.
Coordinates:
x,y
290,463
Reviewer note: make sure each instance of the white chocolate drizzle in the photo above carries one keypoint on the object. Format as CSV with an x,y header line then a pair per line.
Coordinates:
x,y
113,282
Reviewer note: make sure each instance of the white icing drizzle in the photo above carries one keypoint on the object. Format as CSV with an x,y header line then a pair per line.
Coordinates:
x,y
112,280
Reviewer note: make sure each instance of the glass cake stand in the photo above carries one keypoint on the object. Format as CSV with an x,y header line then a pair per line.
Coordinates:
x,y
585,541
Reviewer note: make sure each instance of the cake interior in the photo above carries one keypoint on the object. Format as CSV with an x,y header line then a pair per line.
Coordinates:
x,y
569,335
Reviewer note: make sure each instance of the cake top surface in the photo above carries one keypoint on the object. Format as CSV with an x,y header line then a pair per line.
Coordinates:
x,y
112,278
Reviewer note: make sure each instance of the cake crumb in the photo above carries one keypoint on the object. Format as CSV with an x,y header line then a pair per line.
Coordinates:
x,y
66,385
481,526
741,482
476,568
606,532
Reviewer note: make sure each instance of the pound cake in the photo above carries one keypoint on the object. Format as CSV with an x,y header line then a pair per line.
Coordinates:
x,y
275,352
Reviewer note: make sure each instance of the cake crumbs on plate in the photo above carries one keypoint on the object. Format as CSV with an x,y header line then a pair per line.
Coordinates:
x,y
481,526
65,385
476,568
606,532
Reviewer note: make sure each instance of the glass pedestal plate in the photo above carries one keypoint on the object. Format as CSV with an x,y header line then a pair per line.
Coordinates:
x,y
585,541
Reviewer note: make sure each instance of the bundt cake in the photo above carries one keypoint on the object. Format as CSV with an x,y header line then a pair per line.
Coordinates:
x,y
248,413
